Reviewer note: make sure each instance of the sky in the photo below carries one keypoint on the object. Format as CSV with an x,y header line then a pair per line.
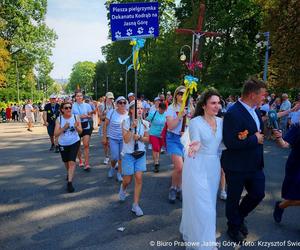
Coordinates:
x,y
82,29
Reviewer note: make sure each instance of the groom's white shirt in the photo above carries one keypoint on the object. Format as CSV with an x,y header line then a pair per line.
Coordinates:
x,y
252,113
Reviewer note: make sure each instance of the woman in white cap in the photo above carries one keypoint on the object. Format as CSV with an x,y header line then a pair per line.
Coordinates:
x,y
84,111
104,108
113,131
135,134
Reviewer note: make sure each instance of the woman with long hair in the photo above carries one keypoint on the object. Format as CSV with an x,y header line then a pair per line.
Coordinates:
x,y
112,131
201,173
174,146
67,129
135,134
85,112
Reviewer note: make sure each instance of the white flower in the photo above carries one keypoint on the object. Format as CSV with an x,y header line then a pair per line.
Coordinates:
x,y
129,32
118,34
151,30
140,30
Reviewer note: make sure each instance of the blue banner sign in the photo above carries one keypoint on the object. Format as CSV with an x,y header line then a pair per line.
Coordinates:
x,y
129,20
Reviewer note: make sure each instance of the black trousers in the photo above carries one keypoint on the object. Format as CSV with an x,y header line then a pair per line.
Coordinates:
x,y
254,183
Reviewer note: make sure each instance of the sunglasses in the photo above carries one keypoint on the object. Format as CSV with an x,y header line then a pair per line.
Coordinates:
x,y
122,103
67,107
180,93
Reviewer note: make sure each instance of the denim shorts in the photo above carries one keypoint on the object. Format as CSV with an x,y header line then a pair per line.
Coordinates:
x,y
174,146
116,146
130,165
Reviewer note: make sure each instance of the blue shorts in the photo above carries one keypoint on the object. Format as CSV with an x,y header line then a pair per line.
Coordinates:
x,y
174,146
115,149
130,165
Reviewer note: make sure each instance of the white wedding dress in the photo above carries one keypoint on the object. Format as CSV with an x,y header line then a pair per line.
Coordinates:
x,y
200,182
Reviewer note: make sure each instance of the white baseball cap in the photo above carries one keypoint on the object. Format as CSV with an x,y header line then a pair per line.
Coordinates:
x,y
156,99
53,96
130,94
121,98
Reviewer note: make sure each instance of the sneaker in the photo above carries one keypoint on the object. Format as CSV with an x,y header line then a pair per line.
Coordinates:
x,y
119,177
87,168
122,194
172,195
29,130
52,147
179,194
223,195
156,168
70,187
162,151
56,149
277,213
137,210
106,160
111,172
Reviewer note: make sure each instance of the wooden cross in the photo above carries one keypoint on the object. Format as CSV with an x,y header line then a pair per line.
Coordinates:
x,y
197,34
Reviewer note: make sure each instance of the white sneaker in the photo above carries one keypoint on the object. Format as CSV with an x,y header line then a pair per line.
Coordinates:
x,y
106,160
223,195
119,177
137,210
122,194
111,172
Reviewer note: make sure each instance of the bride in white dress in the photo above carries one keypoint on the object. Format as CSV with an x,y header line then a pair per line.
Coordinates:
x,y
201,174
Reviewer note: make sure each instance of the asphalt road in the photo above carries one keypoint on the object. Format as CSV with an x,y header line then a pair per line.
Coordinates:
x,y
37,213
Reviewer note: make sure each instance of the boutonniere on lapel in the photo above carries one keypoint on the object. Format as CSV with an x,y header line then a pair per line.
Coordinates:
x,y
243,135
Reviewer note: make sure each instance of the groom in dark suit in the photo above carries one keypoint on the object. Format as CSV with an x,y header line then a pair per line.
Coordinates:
x,y
243,160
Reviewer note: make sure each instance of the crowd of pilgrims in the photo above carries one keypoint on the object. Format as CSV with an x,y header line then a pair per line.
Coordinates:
x,y
158,126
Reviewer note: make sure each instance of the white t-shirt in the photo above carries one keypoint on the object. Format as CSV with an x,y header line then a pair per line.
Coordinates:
x,y
172,112
69,136
143,126
82,109
28,109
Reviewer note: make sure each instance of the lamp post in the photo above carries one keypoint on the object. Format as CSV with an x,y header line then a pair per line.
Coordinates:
x,y
262,44
18,87
182,54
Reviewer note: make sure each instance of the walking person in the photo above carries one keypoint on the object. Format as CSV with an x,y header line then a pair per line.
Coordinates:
x,y
84,111
112,130
8,111
243,160
104,108
29,115
174,146
290,191
157,121
50,113
201,173
135,134
67,129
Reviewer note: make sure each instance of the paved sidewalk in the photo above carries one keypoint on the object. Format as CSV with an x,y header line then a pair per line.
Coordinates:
x,y
37,213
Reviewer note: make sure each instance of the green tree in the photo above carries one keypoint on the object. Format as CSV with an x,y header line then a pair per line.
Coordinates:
x,y
232,58
28,40
82,76
281,18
